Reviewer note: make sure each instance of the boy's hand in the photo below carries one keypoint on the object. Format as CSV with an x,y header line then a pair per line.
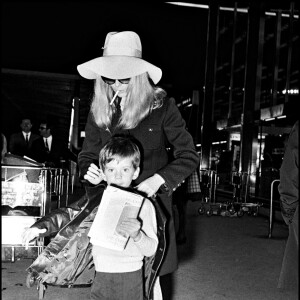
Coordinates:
x,y
131,227
94,174
29,234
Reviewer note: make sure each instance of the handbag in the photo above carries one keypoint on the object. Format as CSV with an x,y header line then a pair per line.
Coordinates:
x,y
193,183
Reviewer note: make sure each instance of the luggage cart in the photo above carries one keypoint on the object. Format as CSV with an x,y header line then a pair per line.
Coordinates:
x,y
28,193
239,205
208,183
58,187
275,182
22,187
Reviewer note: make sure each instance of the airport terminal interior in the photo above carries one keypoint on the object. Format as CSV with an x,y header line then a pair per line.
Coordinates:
x,y
232,68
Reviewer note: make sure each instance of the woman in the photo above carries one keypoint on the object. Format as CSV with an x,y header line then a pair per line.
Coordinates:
x,y
146,114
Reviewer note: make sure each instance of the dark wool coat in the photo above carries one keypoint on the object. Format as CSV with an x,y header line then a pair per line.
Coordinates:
x,y
67,259
50,158
167,149
17,144
289,200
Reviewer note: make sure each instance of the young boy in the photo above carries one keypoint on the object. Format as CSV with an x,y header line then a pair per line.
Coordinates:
x,y
119,274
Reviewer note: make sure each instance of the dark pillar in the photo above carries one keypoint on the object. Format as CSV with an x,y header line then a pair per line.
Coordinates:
x,y
276,58
252,89
74,126
232,63
290,47
207,126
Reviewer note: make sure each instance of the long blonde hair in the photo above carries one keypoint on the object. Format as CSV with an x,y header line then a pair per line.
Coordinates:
x,y
142,98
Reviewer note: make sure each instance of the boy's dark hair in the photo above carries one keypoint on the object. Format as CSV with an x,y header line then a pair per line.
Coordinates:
x,y
119,147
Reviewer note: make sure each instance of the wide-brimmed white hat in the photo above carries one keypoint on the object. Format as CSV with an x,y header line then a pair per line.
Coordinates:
x,y
122,58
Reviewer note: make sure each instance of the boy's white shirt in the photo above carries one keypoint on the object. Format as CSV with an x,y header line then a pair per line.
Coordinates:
x,y
131,258
157,294
116,205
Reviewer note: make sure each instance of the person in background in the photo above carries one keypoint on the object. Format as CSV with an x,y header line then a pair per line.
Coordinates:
x,y
126,100
289,201
180,199
48,149
119,274
21,143
3,146
189,190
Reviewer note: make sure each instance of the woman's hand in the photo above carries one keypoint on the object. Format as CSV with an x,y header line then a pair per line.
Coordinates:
x,y
94,175
151,185
30,234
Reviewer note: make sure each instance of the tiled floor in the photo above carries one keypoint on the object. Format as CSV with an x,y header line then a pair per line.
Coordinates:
x,y
223,258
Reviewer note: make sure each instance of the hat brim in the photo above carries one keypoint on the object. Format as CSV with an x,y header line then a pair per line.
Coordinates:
x,y
118,67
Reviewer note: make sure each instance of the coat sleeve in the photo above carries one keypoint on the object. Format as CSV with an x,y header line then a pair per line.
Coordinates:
x,y
185,159
289,177
91,146
55,220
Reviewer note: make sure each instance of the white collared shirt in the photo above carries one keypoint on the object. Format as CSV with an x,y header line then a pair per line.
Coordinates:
x,y
49,141
26,133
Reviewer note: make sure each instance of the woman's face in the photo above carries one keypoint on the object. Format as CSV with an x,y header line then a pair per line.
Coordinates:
x,y
121,87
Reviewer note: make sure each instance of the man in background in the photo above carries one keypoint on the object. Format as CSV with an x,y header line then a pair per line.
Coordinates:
x,y
21,143
48,149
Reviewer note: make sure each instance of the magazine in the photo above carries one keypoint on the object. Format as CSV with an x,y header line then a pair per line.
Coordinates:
x,y
116,205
